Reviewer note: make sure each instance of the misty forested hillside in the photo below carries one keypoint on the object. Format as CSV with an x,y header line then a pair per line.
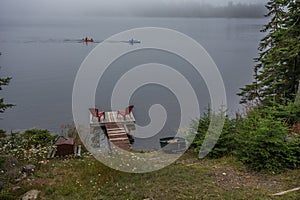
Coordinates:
x,y
193,9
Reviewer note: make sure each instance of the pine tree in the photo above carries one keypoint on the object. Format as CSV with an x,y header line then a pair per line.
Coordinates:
x,y
277,72
4,106
3,82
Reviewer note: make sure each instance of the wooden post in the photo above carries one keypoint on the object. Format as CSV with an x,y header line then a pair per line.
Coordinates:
x,y
53,153
75,150
297,100
49,153
79,151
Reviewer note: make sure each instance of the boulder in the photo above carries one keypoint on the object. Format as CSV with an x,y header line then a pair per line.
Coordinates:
x,y
2,184
28,169
10,167
31,195
16,188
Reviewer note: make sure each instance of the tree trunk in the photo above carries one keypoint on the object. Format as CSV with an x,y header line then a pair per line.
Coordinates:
x,y
297,100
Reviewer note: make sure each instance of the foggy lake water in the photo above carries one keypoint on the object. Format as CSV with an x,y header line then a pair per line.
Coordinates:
x,y
43,57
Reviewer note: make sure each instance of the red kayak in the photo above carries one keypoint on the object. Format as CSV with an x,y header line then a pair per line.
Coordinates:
x,y
87,40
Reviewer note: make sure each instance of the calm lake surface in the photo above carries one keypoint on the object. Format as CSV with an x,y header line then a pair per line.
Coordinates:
x,y
43,57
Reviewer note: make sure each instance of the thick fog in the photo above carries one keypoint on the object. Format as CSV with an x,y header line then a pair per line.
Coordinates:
x,y
189,8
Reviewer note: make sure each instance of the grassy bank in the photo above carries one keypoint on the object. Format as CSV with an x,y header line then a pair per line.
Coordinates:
x,y
188,178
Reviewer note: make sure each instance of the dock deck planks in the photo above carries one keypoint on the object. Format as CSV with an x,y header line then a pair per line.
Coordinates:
x,y
116,128
112,117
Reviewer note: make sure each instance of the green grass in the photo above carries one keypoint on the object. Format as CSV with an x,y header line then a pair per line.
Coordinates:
x,y
188,178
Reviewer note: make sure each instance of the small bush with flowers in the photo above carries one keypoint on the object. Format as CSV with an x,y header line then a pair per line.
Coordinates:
x,y
32,146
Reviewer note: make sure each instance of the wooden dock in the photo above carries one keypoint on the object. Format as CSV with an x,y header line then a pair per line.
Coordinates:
x,y
112,117
116,128
118,136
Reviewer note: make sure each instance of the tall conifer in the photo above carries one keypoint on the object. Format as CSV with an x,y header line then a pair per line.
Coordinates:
x,y
277,72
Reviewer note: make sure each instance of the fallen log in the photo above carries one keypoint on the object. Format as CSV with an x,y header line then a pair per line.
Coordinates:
x,y
287,191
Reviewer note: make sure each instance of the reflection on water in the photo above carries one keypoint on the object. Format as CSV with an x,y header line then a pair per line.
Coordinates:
x,y
43,59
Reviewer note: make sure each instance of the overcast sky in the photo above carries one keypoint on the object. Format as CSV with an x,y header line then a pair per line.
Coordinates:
x,y
70,7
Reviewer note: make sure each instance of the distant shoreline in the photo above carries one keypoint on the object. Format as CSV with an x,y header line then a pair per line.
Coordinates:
x,y
205,11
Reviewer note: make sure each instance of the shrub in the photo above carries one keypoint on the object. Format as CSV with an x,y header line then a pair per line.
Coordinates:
x,y
262,139
289,112
31,147
225,143
261,143
35,138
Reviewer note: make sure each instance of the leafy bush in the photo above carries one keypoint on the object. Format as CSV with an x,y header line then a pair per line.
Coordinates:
x,y
6,194
225,143
261,143
31,147
262,139
289,111
35,137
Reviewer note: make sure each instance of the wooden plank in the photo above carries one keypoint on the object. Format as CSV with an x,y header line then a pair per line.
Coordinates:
x,y
116,132
118,139
112,129
113,125
118,136
126,129
112,117
116,128
122,145
287,191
